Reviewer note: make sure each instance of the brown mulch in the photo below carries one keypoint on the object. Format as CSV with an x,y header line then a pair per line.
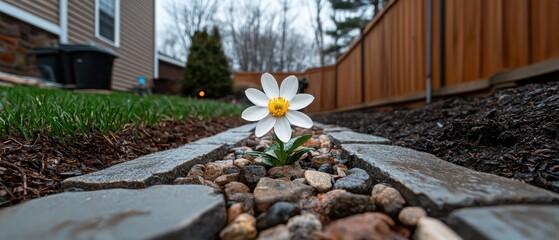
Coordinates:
x,y
35,168
512,133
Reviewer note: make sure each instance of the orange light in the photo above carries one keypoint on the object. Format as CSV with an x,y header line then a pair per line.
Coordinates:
x,y
201,93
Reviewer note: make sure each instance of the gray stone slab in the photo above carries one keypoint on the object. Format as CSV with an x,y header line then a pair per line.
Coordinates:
x,y
507,222
349,137
437,185
159,212
230,137
157,168
245,128
329,128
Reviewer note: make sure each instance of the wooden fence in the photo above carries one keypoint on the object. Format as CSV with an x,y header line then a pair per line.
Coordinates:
x,y
475,41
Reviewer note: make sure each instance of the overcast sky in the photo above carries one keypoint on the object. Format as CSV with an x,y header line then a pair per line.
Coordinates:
x,y
299,9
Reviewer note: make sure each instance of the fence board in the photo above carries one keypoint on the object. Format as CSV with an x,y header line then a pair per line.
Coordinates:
x,y
481,39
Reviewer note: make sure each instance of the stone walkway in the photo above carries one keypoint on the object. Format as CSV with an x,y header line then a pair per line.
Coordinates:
x,y
476,205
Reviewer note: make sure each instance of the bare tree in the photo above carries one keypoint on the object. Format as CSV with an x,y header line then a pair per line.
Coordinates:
x,y
316,22
188,17
259,40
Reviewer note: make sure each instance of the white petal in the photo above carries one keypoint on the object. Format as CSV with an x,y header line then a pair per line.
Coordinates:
x,y
257,97
283,129
270,85
289,87
255,113
299,119
300,101
264,126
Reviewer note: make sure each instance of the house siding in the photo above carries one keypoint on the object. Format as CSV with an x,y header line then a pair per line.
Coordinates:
x,y
46,9
136,48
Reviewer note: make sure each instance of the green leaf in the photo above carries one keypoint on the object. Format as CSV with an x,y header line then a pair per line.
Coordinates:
x,y
296,155
296,142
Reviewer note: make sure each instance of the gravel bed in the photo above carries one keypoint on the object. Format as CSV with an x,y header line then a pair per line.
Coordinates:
x,y
319,197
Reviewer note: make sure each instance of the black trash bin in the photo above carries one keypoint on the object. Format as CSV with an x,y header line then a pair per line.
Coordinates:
x,y
86,66
50,63
91,66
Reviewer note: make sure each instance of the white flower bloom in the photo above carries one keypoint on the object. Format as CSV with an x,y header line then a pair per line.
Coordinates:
x,y
277,107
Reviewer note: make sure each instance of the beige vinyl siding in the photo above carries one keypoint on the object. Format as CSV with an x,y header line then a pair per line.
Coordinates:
x,y
46,9
136,48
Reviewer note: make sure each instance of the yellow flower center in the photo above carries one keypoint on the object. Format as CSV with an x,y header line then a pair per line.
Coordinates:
x,y
278,106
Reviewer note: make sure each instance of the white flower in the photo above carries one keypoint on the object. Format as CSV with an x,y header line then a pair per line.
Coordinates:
x,y
277,107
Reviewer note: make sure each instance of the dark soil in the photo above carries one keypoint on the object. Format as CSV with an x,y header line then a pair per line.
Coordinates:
x,y
512,133
35,168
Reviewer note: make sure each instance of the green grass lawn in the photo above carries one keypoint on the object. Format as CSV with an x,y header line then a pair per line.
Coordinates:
x,y
28,111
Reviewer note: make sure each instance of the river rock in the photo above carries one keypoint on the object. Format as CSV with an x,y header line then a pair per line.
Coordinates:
x,y
234,187
288,171
215,169
310,205
388,199
366,226
279,232
251,174
317,161
269,191
247,199
234,211
326,168
302,226
196,171
433,229
357,181
232,169
301,181
241,162
339,171
322,182
243,227
340,203
278,213
411,215
312,143
227,178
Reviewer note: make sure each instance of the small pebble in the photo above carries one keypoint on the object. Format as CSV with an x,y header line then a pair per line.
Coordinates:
x,y
234,187
366,226
241,162
302,226
433,229
411,215
340,203
215,169
388,199
196,171
279,232
251,174
227,178
322,182
243,227
357,181
326,168
288,171
322,159
234,211
278,213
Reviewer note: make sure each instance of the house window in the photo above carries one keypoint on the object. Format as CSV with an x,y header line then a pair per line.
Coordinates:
x,y
107,20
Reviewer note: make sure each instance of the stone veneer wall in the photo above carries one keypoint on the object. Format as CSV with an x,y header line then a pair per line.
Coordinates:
x,y
16,39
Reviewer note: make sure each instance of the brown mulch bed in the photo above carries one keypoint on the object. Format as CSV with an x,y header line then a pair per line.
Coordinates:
x,y
512,133
35,168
